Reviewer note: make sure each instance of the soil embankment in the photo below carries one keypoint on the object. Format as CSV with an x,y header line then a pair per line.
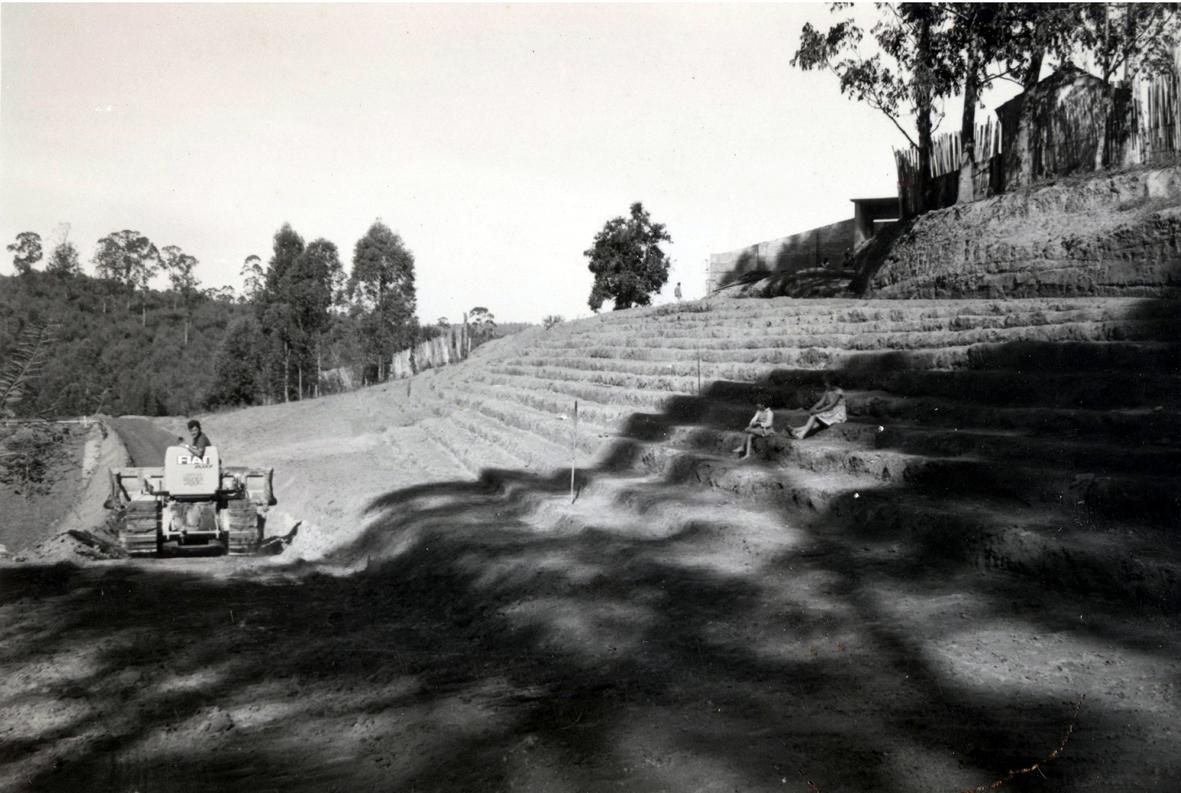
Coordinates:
x,y
1107,235
33,511
451,620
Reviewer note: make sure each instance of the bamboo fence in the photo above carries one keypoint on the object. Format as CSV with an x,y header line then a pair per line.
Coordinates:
x,y
1074,136
452,346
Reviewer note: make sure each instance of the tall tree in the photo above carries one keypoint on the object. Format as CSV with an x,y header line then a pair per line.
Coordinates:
x,y
63,260
917,70
287,248
973,28
237,366
987,42
274,313
308,289
1127,38
482,323
130,259
1031,34
144,274
180,268
253,278
382,289
627,261
26,251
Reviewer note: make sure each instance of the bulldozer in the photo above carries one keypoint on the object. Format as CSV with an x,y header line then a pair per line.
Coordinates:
x,y
190,501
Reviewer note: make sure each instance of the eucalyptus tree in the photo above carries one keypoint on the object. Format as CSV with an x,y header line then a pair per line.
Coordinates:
x,y
129,259
381,287
26,251
181,270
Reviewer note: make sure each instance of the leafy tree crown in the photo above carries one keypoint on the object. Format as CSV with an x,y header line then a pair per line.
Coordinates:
x,y
26,251
627,261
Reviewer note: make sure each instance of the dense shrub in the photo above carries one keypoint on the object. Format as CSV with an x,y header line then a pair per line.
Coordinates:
x,y
30,454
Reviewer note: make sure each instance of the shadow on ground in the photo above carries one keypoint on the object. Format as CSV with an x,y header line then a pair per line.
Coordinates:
x,y
490,635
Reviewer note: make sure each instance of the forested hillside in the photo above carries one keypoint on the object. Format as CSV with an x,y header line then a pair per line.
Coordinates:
x,y
109,349
303,327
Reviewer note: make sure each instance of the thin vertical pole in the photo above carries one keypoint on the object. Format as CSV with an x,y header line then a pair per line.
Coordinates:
x,y
698,371
573,451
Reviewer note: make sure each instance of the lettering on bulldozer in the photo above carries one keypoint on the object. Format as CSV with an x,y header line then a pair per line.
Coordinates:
x,y
191,501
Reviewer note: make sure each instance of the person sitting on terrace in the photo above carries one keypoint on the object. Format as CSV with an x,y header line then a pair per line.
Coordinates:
x,y
828,410
760,426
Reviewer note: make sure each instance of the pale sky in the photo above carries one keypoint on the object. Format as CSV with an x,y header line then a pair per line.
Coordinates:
x,y
496,139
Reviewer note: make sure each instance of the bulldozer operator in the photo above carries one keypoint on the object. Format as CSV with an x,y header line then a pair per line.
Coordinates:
x,y
200,441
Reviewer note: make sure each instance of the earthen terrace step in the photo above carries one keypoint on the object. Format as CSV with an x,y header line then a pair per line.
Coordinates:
x,y
1157,499
1102,389
737,336
552,433
861,309
857,316
748,364
732,406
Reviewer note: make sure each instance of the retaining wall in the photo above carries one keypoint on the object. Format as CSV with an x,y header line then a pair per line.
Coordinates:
x,y
784,255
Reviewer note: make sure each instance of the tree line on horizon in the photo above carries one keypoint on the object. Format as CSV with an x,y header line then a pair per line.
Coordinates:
x,y
308,316
300,327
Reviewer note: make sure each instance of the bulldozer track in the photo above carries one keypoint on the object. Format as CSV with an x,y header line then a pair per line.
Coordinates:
x,y
243,527
140,534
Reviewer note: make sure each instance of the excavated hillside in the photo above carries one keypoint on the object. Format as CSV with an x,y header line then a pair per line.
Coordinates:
x,y
974,580
1090,234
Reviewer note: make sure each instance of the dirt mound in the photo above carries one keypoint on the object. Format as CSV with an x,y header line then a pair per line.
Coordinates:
x,y
1109,235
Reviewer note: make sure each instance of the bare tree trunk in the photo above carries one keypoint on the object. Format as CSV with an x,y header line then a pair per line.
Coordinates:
x,y
922,90
1035,69
299,381
1129,42
319,371
966,191
1106,43
286,371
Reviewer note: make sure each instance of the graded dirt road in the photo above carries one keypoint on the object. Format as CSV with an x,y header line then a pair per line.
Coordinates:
x,y
434,632
145,441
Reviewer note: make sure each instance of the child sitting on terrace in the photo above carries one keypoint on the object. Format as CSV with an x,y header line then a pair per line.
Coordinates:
x,y
828,410
760,426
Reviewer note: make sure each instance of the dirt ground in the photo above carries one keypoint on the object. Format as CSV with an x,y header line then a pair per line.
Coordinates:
x,y
429,631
